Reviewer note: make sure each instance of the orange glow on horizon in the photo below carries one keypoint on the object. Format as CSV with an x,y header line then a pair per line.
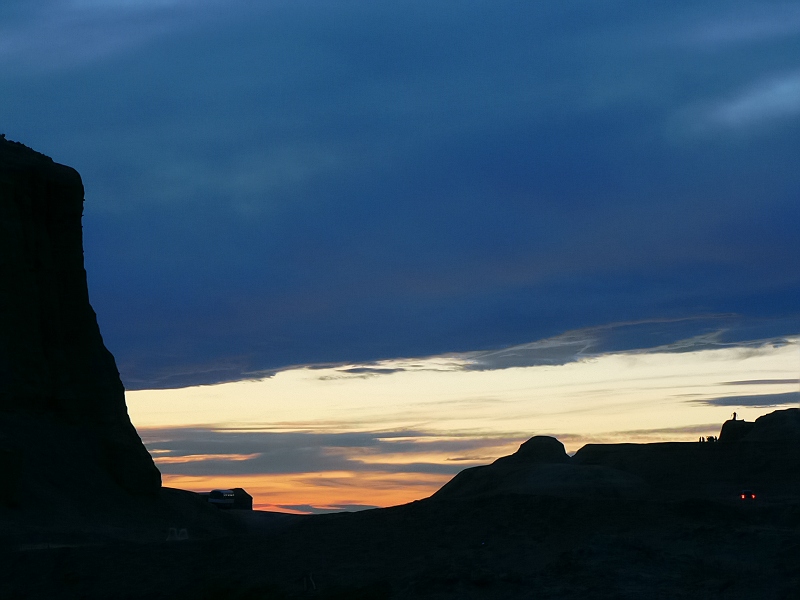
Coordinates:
x,y
327,490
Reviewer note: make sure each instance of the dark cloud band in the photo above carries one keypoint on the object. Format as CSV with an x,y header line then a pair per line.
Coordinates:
x,y
760,400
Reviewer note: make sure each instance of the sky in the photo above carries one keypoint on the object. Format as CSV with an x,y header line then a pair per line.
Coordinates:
x,y
274,186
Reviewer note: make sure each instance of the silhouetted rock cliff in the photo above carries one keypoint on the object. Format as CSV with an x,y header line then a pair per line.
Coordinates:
x,y
779,426
62,407
733,431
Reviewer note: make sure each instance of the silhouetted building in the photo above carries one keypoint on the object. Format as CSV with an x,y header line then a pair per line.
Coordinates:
x,y
226,499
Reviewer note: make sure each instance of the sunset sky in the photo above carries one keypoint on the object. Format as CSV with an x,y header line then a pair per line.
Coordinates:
x,y
353,436
342,248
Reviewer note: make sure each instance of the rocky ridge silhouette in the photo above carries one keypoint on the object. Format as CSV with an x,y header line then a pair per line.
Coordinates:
x,y
763,455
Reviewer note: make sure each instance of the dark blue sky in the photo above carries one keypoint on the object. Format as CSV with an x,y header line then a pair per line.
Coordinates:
x,y
288,182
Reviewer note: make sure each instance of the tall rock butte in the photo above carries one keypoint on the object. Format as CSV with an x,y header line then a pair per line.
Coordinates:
x,y
63,417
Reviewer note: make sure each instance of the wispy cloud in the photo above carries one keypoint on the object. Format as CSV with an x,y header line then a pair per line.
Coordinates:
x,y
702,428
764,102
107,5
755,400
635,337
763,382
187,458
58,34
575,345
767,22
201,451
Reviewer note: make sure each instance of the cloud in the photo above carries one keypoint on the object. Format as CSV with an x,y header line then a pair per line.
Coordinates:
x,y
56,34
106,5
363,372
702,428
770,21
758,400
769,100
208,452
646,336
763,382
186,458
371,371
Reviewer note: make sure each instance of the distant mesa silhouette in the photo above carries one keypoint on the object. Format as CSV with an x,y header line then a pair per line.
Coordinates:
x,y
762,455
64,426
541,466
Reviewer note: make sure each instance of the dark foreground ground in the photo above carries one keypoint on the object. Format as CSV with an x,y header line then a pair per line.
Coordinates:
x,y
613,521
504,546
